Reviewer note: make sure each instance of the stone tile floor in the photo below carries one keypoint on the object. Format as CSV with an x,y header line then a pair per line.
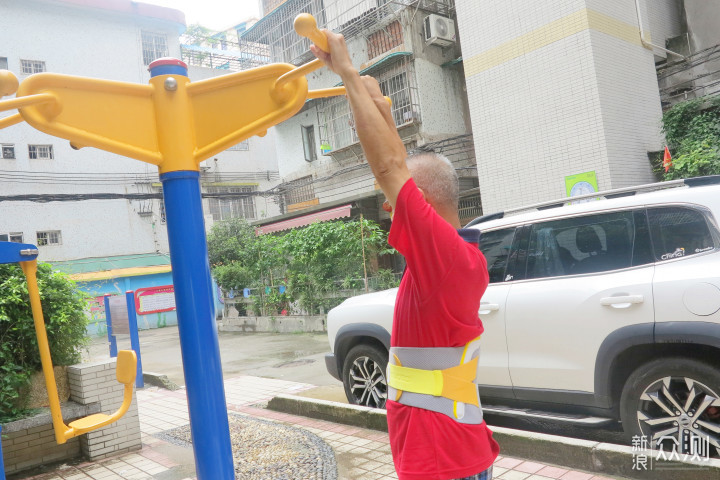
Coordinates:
x,y
361,454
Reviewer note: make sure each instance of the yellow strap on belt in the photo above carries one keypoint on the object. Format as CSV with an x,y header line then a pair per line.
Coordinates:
x,y
454,383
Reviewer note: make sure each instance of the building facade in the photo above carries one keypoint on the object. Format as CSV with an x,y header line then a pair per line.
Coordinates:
x,y
320,162
569,87
76,38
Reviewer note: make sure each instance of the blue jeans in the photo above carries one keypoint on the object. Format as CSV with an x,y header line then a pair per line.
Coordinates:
x,y
486,475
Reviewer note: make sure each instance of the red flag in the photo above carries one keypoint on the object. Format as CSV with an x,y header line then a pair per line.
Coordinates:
x,y
667,159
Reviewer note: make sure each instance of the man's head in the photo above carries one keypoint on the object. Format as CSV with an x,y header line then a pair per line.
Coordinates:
x,y
436,177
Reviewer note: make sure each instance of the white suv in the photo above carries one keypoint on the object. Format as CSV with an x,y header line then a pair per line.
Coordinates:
x,y
595,312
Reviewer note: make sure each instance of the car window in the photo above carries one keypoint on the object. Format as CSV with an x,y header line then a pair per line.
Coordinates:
x,y
495,245
679,232
588,244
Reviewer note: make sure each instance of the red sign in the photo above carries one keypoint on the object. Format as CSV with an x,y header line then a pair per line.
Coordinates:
x,y
155,299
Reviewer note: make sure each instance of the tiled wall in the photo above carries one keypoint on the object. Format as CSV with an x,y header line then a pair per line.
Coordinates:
x,y
557,88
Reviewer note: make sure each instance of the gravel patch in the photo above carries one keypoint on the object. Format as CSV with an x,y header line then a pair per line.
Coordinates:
x,y
264,450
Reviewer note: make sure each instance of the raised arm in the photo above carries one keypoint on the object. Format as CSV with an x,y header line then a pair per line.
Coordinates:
x,y
384,150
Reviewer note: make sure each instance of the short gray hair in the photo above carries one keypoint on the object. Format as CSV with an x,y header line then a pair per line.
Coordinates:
x,y
436,176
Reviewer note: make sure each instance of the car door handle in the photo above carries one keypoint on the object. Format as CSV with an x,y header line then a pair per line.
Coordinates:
x,y
486,308
623,301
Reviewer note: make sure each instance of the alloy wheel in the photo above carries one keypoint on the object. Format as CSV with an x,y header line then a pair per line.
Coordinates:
x,y
367,383
680,414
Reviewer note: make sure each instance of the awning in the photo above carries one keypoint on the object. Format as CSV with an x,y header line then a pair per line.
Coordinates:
x,y
103,268
324,216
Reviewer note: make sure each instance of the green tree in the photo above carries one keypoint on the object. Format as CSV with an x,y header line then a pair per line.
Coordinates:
x,y
65,319
315,262
692,131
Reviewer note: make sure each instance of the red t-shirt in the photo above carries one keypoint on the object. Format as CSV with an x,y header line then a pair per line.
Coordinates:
x,y
437,306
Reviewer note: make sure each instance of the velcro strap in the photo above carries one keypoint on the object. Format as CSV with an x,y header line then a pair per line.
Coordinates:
x,y
454,383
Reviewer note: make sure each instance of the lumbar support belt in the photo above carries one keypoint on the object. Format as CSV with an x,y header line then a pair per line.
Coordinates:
x,y
443,380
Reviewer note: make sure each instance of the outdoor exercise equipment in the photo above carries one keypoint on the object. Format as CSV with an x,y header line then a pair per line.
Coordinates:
x,y
26,255
176,124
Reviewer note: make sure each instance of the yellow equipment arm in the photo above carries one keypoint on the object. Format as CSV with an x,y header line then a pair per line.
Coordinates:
x,y
125,371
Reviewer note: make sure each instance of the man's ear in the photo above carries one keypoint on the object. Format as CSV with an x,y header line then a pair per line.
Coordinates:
x,y
423,194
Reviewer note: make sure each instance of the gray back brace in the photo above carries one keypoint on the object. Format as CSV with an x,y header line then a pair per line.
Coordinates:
x,y
438,358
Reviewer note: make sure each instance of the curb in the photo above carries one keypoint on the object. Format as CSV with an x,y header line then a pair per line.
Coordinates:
x,y
159,380
596,457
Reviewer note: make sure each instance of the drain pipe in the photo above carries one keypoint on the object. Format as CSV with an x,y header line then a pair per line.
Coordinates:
x,y
648,44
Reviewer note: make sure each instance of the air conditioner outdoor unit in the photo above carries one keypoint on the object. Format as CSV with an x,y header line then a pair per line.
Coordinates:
x,y
439,30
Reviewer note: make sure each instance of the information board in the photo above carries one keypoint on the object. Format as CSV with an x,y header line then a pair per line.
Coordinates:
x,y
155,299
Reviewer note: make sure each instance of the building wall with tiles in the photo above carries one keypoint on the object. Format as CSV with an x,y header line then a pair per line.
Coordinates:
x,y
94,388
558,88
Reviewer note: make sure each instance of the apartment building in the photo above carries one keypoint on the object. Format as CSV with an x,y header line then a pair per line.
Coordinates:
x,y
321,165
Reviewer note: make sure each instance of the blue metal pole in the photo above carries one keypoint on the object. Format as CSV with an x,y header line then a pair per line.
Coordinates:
x,y
134,337
2,464
198,334
108,323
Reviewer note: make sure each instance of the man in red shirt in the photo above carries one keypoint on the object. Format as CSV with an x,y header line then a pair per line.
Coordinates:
x,y
435,425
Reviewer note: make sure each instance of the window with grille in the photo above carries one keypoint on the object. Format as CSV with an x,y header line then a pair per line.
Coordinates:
x,y
50,237
32,66
299,191
242,146
154,46
7,151
397,82
40,152
384,39
232,207
308,139
3,63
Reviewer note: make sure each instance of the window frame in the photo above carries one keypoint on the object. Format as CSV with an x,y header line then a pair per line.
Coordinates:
x,y
308,141
44,238
4,63
8,146
706,215
149,39
244,206
31,67
35,149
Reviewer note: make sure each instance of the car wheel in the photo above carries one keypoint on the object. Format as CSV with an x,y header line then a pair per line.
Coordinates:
x,y
364,376
674,404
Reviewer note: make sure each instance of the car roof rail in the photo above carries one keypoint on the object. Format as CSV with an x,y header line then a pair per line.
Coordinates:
x,y
607,194
485,218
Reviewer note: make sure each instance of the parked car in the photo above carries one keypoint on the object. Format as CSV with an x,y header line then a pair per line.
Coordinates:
x,y
601,310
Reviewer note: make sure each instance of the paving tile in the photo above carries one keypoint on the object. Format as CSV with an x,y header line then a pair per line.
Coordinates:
x,y
576,476
508,462
529,467
513,475
552,472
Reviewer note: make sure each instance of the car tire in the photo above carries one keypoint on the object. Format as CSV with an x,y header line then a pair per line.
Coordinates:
x,y
364,376
668,402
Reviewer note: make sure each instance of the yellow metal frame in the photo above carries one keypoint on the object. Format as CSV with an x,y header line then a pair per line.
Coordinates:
x,y
172,123
125,371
